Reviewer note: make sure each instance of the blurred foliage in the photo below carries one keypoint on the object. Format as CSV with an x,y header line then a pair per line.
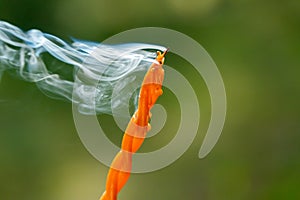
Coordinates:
x,y
256,46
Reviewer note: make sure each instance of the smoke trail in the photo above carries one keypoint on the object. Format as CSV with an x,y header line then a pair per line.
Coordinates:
x,y
83,72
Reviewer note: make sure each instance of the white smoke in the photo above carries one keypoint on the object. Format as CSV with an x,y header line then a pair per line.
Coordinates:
x,y
85,73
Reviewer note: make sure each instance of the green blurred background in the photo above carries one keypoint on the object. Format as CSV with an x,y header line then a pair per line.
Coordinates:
x,y
255,44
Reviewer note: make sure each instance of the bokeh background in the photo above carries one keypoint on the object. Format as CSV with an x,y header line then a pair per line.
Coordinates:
x,y
254,43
